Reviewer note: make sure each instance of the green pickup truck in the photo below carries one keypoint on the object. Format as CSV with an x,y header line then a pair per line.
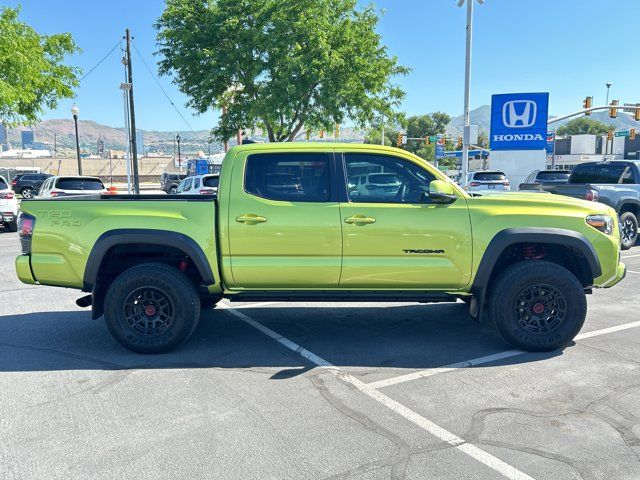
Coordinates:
x,y
324,222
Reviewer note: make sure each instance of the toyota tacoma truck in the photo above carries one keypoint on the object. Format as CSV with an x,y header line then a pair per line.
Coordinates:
x,y
613,182
291,223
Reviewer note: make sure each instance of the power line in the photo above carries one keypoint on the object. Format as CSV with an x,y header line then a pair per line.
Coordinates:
x,y
159,85
102,60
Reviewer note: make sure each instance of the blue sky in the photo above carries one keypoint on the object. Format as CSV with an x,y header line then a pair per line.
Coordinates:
x,y
569,48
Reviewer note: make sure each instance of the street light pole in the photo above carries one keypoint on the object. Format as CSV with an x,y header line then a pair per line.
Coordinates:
x,y
467,90
608,85
75,111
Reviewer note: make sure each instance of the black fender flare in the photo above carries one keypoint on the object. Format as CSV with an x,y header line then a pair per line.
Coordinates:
x,y
625,201
511,236
128,236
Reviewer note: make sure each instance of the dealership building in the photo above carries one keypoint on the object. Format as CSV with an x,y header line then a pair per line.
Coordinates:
x,y
575,149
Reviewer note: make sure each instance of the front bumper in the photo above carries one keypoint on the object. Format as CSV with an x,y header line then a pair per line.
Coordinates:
x,y
23,269
621,272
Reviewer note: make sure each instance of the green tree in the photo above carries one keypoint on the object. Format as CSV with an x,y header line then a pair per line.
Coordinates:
x,y
421,126
32,73
279,65
584,125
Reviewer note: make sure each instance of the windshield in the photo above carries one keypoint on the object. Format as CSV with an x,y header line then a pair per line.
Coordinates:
x,y
3,184
79,184
489,176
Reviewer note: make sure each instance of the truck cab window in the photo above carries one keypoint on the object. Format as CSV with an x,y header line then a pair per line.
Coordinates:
x,y
294,177
385,179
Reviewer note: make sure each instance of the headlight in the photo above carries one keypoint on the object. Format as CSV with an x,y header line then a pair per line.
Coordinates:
x,y
604,223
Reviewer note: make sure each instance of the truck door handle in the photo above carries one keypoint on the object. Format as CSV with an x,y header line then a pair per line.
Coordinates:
x,y
359,220
251,219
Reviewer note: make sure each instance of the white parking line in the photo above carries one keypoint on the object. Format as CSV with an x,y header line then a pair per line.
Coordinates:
x,y
489,358
630,256
631,271
459,443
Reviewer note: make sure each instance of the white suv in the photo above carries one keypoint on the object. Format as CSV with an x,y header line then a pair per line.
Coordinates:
x,y
199,185
488,181
8,207
72,185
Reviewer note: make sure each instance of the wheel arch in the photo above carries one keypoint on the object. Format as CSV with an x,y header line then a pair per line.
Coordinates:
x,y
161,240
586,266
628,205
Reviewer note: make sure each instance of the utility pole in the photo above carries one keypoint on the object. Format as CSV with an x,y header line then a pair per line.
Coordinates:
x,y
134,148
467,91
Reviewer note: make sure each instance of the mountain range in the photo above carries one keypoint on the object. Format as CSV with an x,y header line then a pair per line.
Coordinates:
x,y
61,131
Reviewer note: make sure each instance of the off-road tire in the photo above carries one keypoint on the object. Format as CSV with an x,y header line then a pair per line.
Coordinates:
x,y
537,305
629,227
151,308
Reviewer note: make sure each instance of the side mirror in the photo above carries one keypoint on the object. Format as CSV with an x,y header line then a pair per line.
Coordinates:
x,y
442,192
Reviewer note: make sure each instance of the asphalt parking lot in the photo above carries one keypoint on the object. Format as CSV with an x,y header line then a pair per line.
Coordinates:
x,y
316,391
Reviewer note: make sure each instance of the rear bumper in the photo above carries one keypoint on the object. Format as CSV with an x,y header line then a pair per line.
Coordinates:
x,y
23,269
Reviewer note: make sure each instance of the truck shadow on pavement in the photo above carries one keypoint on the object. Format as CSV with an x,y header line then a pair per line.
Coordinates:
x,y
366,338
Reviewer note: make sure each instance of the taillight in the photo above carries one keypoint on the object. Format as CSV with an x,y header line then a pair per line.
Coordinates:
x,y
474,184
14,182
591,195
506,183
26,224
56,193
6,196
207,191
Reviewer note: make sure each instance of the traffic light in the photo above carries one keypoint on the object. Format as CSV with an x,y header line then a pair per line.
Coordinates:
x,y
588,102
636,113
427,141
459,144
613,111
307,134
632,134
399,140
321,133
337,131
609,135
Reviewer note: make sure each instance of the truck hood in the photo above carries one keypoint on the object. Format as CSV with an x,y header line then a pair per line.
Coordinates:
x,y
539,200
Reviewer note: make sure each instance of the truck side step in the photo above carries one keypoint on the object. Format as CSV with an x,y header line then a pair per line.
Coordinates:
x,y
342,296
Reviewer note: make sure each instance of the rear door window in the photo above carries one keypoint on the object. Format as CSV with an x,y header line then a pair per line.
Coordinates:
x,y
553,176
3,184
196,183
299,177
79,184
612,173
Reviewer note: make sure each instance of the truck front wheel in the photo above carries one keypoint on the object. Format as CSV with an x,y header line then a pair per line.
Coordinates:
x,y
628,230
151,308
537,305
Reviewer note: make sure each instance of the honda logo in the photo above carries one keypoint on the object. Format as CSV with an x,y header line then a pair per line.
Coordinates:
x,y
519,113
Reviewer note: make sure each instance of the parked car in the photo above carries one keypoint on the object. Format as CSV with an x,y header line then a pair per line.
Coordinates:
x,y
199,185
487,181
28,184
169,182
614,183
8,207
71,185
152,269
545,177
382,185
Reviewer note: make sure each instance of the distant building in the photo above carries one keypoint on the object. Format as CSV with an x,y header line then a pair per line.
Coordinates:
x,y
140,143
116,154
27,139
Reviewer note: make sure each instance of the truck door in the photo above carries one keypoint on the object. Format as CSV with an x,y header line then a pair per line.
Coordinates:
x,y
394,237
283,223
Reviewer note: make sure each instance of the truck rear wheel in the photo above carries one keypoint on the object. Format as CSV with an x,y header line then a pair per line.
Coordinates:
x,y
628,230
538,305
151,308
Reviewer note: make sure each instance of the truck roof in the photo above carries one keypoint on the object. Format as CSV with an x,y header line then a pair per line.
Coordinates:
x,y
280,146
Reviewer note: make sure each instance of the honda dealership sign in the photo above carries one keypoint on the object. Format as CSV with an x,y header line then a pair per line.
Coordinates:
x,y
519,121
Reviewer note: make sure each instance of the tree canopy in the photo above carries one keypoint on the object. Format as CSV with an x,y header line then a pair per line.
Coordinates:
x,y
32,73
279,65
584,125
